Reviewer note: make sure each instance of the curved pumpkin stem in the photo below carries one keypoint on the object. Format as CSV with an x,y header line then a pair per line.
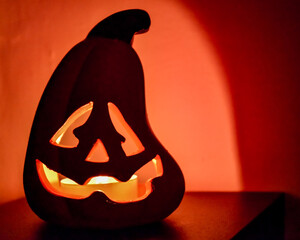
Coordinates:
x,y
122,25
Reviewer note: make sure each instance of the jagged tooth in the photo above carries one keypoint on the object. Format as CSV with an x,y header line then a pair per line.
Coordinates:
x,y
115,189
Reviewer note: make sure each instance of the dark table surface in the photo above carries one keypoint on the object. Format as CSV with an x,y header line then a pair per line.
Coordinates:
x,y
201,215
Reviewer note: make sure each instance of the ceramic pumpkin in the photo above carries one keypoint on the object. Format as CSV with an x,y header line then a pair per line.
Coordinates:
x,y
92,159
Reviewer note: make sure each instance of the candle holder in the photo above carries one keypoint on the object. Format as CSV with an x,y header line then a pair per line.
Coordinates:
x,y
92,159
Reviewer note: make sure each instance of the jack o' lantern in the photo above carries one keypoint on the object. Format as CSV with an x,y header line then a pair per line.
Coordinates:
x,y
92,160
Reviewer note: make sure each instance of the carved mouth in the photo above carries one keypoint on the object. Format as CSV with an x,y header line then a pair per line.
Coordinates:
x,y
137,188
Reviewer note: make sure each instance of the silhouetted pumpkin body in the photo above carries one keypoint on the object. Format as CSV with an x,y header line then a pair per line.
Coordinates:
x,y
92,160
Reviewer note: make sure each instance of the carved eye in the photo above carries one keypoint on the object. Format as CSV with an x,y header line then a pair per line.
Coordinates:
x,y
132,145
65,137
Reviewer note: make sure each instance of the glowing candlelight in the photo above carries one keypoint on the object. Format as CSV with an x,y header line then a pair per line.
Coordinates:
x,y
113,188
138,187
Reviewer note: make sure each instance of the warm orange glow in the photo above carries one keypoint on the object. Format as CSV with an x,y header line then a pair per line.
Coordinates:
x,y
105,180
132,144
187,100
98,153
64,137
114,189
138,187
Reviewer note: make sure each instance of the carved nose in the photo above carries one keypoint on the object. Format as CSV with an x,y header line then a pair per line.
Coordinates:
x,y
98,153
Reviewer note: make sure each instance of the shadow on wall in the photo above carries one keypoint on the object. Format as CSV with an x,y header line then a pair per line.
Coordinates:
x,y
258,43
179,63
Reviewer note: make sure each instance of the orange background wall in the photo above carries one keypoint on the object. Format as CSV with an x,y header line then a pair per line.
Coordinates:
x,y
222,85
